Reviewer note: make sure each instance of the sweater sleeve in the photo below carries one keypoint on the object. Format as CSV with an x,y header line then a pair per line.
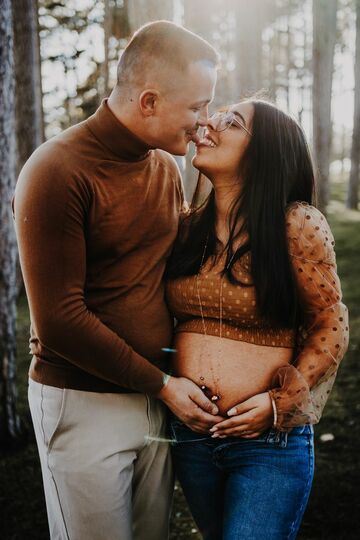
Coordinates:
x,y
301,389
50,208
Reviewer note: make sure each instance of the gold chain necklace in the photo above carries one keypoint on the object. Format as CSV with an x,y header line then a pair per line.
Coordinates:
x,y
216,396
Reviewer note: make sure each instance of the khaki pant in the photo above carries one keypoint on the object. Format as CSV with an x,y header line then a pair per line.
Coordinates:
x,y
104,477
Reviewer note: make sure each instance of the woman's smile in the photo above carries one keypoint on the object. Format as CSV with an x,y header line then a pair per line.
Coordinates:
x,y
206,141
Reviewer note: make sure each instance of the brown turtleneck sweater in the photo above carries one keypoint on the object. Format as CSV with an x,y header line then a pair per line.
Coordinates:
x,y
96,214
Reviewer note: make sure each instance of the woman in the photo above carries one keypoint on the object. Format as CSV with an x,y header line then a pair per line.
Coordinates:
x,y
261,328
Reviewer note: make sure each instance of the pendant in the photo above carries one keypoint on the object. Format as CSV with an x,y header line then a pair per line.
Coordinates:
x,y
216,397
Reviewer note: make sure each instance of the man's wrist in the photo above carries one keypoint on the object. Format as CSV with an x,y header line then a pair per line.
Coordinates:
x,y
165,379
165,382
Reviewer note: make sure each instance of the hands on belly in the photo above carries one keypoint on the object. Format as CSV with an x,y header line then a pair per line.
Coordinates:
x,y
247,419
243,373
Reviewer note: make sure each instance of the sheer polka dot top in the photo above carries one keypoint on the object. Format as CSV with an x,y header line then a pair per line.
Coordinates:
x,y
326,332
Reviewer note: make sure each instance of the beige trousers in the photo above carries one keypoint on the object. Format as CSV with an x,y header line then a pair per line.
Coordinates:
x,y
104,477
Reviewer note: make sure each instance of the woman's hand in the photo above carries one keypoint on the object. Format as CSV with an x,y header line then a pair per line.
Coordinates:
x,y
248,419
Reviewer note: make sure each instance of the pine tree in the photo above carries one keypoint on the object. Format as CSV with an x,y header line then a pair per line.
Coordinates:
x,y
10,427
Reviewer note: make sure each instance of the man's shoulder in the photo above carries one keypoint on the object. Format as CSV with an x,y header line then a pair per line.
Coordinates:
x,y
68,141
59,152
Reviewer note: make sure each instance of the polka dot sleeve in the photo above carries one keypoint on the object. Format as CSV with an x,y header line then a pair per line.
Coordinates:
x,y
301,389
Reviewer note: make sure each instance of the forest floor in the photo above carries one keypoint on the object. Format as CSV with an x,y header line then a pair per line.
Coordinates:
x,y
333,512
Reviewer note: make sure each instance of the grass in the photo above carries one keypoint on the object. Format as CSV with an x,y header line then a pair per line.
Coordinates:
x,y
334,508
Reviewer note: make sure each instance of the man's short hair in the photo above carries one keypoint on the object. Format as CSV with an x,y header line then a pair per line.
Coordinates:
x,y
165,45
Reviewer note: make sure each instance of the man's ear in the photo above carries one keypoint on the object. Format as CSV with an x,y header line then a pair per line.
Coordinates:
x,y
148,100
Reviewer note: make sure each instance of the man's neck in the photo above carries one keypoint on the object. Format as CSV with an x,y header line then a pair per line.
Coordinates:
x,y
123,108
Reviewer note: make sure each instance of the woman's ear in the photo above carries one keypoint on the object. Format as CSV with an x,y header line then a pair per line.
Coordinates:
x,y
148,100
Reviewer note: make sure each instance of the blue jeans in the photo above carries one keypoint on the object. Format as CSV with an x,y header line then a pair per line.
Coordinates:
x,y
242,489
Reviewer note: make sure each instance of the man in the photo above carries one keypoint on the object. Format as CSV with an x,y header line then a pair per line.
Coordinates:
x,y
96,211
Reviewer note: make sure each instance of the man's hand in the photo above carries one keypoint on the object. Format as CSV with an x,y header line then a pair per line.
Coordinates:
x,y
248,419
189,404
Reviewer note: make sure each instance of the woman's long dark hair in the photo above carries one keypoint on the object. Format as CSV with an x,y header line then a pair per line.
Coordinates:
x,y
276,169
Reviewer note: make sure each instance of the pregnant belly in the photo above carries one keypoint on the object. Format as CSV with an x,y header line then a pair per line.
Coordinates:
x,y
233,370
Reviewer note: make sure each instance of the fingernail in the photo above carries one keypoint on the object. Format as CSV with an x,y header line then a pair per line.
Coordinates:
x,y
215,436
213,429
231,412
215,410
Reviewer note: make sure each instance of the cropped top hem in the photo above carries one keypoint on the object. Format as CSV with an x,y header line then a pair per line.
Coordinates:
x,y
268,337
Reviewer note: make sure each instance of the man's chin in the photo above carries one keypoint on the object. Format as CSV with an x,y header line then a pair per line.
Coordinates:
x,y
178,149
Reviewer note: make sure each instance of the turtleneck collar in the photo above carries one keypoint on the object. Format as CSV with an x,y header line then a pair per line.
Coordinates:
x,y
115,136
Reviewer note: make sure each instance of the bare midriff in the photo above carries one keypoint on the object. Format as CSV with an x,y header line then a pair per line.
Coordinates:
x,y
234,370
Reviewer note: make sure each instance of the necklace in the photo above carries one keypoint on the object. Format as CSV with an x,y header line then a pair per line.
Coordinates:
x,y
216,396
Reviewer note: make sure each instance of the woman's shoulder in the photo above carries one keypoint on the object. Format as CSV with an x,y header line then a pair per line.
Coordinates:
x,y
300,214
308,232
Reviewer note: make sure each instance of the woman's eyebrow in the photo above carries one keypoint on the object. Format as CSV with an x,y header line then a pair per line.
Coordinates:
x,y
240,115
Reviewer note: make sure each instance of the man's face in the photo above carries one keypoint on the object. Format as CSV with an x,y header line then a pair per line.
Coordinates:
x,y
182,110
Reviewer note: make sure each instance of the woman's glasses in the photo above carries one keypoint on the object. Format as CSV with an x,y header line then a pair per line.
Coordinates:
x,y
223,120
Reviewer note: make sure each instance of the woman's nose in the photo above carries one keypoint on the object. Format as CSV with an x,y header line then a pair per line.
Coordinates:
x,y
212,122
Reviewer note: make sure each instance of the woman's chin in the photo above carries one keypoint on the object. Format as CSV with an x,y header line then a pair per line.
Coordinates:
x,y
201,164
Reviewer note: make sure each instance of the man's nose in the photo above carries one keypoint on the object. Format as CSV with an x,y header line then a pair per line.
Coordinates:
x,y
203,117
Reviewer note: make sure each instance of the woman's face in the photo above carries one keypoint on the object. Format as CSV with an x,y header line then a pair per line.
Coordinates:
x,y
219,152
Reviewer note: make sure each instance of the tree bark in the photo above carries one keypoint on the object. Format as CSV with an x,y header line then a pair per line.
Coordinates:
x,y
354,180
10,427
105,66
324,36
28,103
28,92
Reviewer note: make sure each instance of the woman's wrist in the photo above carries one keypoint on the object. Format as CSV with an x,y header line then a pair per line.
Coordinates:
x,y
274,425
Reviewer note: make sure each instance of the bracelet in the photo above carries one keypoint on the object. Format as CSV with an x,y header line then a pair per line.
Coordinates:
x,y
165,379
274,410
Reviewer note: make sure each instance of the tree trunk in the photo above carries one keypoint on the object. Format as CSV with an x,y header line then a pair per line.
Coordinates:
x,y
10,428
324,36
28,92
353,189
250,20
28,104
105,66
